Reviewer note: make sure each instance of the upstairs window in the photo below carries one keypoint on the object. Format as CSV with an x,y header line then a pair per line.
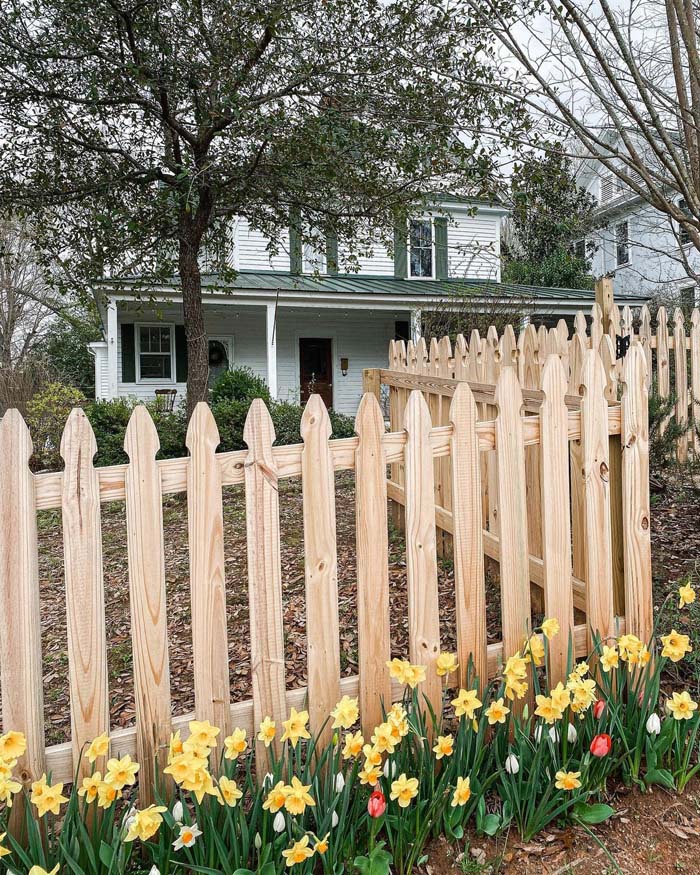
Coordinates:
x,y
421,248
155,352
622,243
578,249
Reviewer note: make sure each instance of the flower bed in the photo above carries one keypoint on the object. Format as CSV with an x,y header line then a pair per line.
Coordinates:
x,y
519,751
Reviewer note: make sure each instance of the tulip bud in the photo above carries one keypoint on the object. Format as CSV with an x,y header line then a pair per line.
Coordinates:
x,y
334,819
538,733
512,764
389,769
154,870
554,734
654,724
571,733
376,804
601,745
279,823
339,782
178,812
598,709
257,841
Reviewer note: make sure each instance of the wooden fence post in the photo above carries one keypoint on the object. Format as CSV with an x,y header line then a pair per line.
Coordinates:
x,y
694,376
531,363
373,630
681,380
264,573
662,359
144,531
20,630
635,492
320,568
556,528
421,555
205,521
596,488
470,594
577,352
371,382
85,596
604,299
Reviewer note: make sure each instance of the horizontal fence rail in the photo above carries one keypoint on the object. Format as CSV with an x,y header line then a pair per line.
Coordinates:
x,y
453,427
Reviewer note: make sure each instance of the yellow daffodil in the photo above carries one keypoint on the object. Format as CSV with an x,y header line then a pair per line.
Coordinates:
x,y
547,709
515,689
345,713
276,798
373,756
184,766
107,794
610,658
299,852
550,628
229,794
466,704
446,664
295,726
6,769
497,712
8,789
561,696
462,793
266,731
3,850
353,745
369,775
12,745
236,744
444,747
121,772
404,789
396,668
583,694
383,738
98,747
675,646
201,784
39,870
298,797
567,780
321,845
580,669
202,733
414,675
90,786
629,647
686,594
175,746
47,797
145,823
682,706
535,648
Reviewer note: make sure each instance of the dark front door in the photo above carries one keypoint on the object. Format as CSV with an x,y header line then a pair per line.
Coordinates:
x,y
316,368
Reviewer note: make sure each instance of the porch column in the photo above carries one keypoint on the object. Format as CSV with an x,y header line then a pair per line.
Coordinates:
x,y
416,327
271,349
112,333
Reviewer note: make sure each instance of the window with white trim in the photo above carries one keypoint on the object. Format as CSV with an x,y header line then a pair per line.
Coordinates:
x,y
622,243
420,246
156,348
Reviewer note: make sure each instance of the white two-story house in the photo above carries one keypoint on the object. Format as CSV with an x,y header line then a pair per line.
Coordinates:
x,y
295,319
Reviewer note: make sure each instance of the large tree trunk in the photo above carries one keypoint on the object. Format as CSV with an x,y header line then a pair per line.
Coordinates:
x,y
193,311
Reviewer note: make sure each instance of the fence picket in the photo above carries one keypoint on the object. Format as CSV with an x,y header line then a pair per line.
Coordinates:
x,y
321,568
596,490
444,478
421,555
144,531
610,370
84,583
681,379
461,358
264,571
645,338
373,630
635,491
596,331
556,529
577,352
470,592
205,522
491,371
694,376
663,374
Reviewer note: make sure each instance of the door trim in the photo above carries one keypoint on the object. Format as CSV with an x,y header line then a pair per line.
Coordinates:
x,y
309,335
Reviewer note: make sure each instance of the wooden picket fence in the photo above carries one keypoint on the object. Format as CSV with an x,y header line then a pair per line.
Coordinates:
x,y
455,437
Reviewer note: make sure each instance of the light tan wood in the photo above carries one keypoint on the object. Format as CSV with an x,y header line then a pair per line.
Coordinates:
x,y
434,401
663,373
395,422
530,379
470,592
205,519
512,510
84,584
321,568
645,338
610,370
144,532
264,571
445,470
20,630
556,527
604,299
461,363
373,630
694,376
681,380
598,329
596,487
491,372
371,382
508,347
421,556
627,322
635,490
581,325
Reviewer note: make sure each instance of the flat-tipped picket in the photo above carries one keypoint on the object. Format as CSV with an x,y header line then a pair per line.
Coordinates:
x,y
635,495
372,539
596,494
84,584
556,528
468,553
264,571
681,381
421,556
205,518
321,568
144,532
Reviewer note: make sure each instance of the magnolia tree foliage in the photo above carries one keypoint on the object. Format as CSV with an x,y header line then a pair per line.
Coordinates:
x,y
134,130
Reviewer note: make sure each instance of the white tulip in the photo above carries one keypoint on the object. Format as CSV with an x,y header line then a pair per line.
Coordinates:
x,y
339,783
512,764
653,724
178,812
554,734
257,841
279,823
538,733
571,733
389,769
268,779
334,819
154,870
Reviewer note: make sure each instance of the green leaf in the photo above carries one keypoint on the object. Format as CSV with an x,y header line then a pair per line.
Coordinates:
x,y
377,863
106,854
592,814
660,776
490,824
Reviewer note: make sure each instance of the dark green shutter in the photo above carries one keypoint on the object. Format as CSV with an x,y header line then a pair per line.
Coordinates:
x,y
441,266
128,353
295,240
331,253
400,251
180,354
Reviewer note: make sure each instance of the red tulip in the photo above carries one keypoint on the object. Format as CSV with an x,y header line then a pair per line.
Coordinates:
x,y
601,745
598,709
376,804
